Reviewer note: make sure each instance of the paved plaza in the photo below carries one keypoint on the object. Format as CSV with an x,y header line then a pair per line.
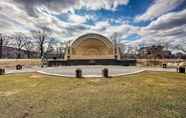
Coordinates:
x,y
90,71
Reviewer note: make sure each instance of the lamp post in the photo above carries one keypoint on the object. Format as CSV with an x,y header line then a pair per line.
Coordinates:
x,y
115,49
115,40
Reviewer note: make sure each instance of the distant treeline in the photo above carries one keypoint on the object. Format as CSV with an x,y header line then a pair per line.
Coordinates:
x,y
37,44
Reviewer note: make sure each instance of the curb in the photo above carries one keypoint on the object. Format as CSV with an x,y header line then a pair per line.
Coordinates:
x,y
89,76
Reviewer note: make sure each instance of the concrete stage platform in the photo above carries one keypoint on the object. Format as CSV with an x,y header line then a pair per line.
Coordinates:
x,y
58,62
90,71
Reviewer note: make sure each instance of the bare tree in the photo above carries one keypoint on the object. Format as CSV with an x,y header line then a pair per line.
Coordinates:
x,y
116,38
183,46
29,46
4,41
45,43
20,42
50,45
41,39
1,45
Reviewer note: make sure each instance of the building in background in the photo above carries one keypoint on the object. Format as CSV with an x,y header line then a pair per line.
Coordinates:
x,y
154,52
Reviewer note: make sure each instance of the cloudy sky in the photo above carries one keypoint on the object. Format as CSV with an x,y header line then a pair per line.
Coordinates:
x,y
136,21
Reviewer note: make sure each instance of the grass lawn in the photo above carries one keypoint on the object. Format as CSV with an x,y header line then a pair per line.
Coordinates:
x,y
144,95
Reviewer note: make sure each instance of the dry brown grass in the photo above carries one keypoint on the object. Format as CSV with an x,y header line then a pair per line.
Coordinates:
x,y
13,62
143,95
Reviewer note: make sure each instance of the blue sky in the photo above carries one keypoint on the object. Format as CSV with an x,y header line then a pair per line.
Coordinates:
x,y
122,12
136,22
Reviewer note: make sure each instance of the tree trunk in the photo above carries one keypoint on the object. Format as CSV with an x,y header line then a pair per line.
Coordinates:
x,y
41,51
19,54
28,55
1,48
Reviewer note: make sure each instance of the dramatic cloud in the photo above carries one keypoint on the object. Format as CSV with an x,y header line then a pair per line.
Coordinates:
x,y
54,5
68,19
169,21
77,19
13,19
166,37
158,8
105,4
64,5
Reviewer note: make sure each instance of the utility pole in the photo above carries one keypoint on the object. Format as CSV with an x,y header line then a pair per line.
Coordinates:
x,y
69,51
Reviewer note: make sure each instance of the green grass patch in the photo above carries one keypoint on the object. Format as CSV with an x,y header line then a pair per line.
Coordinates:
x,y
143,95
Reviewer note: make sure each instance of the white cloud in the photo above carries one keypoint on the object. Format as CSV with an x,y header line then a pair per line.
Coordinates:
x,y
169,27
77,19
173,37
105,4
101,26
123,30
158,8
13,19
169,20
59,6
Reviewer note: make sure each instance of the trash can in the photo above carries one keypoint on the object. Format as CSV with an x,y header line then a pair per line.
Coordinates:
x,y
2,71
105,73
54,58
78,73
181,69
164,65
19,67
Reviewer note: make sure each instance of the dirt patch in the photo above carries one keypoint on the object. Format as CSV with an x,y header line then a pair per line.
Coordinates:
x,y
35,76
95,80
9,93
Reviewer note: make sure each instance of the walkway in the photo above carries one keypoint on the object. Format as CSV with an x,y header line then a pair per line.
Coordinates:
x,y
90,71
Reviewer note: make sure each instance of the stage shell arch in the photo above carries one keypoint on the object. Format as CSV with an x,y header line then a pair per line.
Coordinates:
x,y
92,46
